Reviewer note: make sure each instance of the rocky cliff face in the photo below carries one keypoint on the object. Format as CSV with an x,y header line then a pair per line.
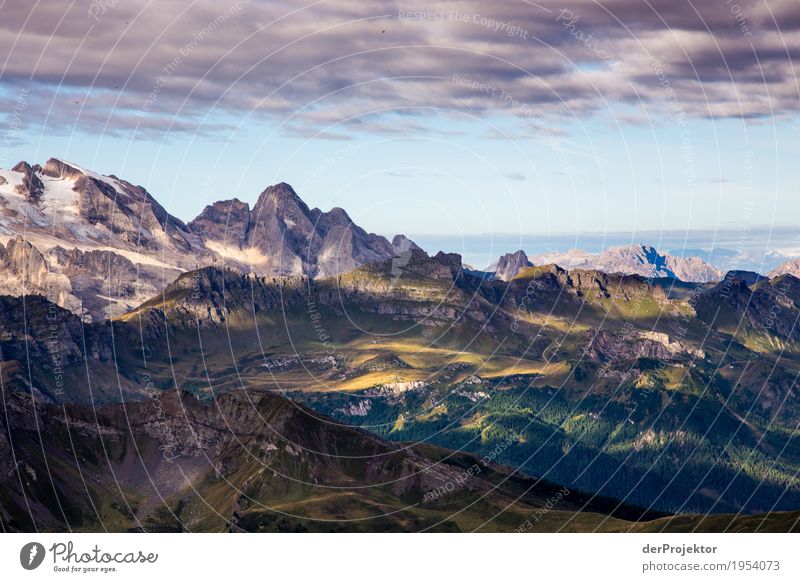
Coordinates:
x,y
104,281
765,311
620,346
282,236
31,187
510,264
127,211
226,222
310,242
25,271
99,244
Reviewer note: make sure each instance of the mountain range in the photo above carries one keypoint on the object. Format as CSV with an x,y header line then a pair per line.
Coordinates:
x,y
687,265
641,260
100,245
266,369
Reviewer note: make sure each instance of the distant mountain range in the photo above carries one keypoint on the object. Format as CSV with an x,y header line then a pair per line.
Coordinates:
x,y
630,260
641,260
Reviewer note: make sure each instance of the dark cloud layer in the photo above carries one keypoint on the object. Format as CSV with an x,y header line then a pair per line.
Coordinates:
x,y
112,65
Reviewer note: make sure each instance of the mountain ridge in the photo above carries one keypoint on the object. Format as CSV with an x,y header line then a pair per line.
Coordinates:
x,y
265,463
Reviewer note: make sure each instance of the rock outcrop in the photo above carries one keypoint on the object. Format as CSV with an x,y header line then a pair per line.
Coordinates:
x,y
510,264
619,345
32,187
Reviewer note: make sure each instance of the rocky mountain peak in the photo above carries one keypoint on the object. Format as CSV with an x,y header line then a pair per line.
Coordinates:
x,y
25,271
22,167
449,260
296,240
32,187
338,216
227,221
402,244
57,169
281,197
63,209
22,257
510,264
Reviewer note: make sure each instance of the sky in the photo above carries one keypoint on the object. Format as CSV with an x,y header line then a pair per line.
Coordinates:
x,y
451,119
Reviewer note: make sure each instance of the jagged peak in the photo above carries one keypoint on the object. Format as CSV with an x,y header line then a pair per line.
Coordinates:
x,y
509,264
56,168
280,190
18,250
516,254
224,205
451,260
402,244
22,166
235,201
280,196
32,187
339,216
18,240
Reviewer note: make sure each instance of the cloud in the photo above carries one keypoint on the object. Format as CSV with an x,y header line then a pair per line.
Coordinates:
x,y
333,68
514,176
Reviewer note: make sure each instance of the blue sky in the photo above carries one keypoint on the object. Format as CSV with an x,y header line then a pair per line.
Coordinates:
x,y
605,177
